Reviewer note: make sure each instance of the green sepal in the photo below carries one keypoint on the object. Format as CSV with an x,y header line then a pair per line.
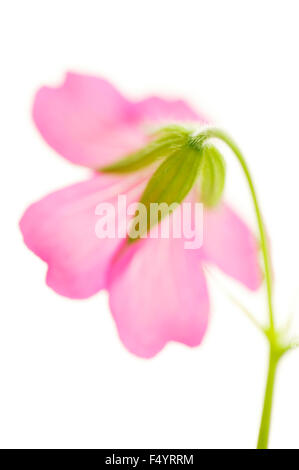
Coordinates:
x,y
166,141
212,175
170,184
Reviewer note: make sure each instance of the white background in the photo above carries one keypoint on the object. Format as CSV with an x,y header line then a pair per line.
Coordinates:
x,y
66,380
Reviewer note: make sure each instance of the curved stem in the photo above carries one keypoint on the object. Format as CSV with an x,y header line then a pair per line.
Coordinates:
x,y
271,334
217,133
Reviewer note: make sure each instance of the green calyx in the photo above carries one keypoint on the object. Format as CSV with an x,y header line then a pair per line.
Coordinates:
x,y
166,141
183,158
169,186
212,174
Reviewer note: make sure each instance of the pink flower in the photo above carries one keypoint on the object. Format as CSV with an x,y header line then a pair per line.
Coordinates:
x,y
157,289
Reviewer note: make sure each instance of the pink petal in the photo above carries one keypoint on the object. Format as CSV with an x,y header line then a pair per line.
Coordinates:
x,y
155,109
87,120
230,245
158,293
60,229
90,123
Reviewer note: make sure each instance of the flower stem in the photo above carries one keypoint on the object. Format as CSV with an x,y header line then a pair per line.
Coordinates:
x,y
271,334
266,415
217,133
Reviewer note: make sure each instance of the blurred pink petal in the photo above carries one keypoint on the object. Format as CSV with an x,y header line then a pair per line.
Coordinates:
x,y
90,123
158,293
157,109
60,229
230,245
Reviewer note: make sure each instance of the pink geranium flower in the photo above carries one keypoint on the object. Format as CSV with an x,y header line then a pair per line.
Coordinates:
x,y
157,289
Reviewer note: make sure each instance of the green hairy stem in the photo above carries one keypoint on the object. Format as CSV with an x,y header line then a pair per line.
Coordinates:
x,y
276,348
